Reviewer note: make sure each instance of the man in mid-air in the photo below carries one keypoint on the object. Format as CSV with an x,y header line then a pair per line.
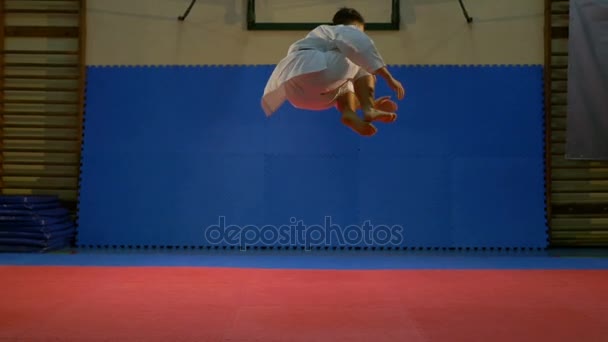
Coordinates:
x,y
335,66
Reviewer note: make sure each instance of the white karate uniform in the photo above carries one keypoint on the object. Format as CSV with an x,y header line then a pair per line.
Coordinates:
x,y
321,67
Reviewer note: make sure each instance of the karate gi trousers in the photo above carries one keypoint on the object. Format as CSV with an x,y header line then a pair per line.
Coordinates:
x,y
320,68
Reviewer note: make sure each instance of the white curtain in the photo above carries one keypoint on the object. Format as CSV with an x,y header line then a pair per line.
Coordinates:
x,y
587,123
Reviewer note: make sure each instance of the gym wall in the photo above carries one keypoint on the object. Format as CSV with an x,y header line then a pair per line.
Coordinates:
x,y
176,145
147,32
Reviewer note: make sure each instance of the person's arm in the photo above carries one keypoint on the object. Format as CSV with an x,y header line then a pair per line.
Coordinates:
x,y
361,50
391,81
384,73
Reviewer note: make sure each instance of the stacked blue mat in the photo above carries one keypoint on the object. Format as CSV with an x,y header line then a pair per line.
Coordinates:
x,y
34,224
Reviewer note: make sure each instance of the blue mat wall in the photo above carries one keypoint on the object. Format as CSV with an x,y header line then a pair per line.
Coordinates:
x,y
169,150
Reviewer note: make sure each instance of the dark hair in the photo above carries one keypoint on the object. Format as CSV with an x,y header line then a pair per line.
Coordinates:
x,y
347,16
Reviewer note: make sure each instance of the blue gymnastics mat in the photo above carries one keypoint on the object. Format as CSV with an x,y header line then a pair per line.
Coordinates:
x,y
34,224
328,260
183,156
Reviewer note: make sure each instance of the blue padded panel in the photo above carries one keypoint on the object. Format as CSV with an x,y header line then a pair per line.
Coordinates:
x,y
317,133
495,202
168,151
189,193
418,201
309,189
465,111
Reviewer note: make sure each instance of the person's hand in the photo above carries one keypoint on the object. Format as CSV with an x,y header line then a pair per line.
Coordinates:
x,y
397,87
392,82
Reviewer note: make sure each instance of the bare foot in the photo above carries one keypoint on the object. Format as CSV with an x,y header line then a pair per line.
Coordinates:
x,y
355,123
386,104
372,115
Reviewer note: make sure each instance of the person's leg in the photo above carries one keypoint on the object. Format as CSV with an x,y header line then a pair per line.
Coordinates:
x,y
365,87
307,92
302,92
347,105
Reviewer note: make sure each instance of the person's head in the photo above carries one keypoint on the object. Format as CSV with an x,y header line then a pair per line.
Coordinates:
x,y
349,16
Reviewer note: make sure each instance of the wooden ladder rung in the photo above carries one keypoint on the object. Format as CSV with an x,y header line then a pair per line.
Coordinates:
x,y
41,89
34,113
39,52
42,65
34,126
41,149
41,77
40,11
46,163
38,174
41,31
49,0
39,187
52,102
37,138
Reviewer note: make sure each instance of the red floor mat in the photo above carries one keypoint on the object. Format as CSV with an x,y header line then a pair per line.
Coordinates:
x,y
202,304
